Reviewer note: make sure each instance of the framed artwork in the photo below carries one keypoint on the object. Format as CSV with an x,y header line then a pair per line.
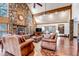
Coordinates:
x,y
61,28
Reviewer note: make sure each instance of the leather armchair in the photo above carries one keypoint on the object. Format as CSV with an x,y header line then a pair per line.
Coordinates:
x,y
13,45
37,38
49,43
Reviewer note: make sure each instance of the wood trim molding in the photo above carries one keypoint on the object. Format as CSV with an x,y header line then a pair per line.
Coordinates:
x,y
54,10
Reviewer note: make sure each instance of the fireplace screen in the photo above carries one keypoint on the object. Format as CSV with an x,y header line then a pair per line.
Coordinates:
x,y
20,29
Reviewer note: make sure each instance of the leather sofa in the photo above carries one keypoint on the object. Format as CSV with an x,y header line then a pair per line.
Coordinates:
x,y
17,45
50,42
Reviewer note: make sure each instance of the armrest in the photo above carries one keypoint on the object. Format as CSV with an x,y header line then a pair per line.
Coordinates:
x,y
28,41
49,40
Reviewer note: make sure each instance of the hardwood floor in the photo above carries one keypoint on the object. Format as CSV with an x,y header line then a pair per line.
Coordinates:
x,y
63,49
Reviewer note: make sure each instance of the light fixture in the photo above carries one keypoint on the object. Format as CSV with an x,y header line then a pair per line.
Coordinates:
x,y
57,31
43,28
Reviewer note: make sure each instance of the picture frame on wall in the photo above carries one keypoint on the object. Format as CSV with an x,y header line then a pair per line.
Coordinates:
x,y
61,28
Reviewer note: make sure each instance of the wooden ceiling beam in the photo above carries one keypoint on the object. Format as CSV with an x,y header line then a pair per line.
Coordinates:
x,y
54,10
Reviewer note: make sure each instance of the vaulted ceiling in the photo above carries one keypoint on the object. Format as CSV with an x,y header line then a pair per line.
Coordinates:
x,y
57,17
50,18
49,6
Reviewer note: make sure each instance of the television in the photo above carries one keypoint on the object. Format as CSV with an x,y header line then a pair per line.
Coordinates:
x,y
38,29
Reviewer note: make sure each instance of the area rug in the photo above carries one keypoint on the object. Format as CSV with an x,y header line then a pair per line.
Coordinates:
x,y
46,52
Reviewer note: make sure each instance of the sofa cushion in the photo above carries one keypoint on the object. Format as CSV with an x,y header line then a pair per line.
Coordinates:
x,y
48,45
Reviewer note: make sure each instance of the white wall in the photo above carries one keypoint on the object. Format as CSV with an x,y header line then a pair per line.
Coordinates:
x,y
66,26
75,28
75,14
57,17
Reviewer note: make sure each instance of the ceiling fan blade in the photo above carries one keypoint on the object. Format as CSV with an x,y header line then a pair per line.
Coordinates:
x,y
34,5
39,4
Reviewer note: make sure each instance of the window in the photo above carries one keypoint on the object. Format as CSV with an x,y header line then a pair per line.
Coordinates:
x,y
3,9
2,33
50,29
3,13
3,29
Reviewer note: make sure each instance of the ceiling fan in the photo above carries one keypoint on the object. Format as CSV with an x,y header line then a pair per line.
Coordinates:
x,y
34,6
